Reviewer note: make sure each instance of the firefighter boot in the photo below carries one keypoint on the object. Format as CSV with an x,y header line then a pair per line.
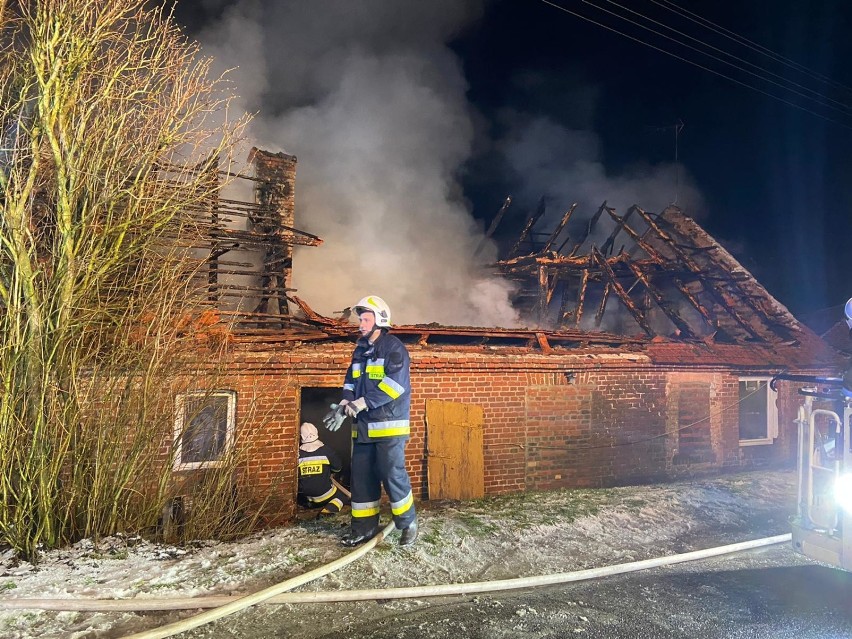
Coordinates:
x,y
409,535
353,538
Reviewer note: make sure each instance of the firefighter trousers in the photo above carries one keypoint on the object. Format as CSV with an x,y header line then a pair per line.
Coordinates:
x,y
373,465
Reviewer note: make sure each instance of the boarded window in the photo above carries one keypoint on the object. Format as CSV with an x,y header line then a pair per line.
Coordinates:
x,y
204,428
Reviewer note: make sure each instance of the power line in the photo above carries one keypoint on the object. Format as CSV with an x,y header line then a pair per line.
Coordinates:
x,y
696,64
845,107
727,33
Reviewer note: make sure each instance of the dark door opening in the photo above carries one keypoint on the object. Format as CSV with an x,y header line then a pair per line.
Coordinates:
x,y
315,404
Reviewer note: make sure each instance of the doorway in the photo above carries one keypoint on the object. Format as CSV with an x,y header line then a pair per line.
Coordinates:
x,y
315,404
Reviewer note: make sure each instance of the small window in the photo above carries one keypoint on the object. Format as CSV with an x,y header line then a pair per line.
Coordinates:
x,y
758,412
204,428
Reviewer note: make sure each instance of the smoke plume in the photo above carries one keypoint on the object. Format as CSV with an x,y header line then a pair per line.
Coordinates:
x,y
372,102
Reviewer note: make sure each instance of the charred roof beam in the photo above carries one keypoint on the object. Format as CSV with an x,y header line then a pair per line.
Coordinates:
x,y
663,263
589,227
713,291
613,283
539,211
667,308
494,224
581,292
558,230
606,249
735,280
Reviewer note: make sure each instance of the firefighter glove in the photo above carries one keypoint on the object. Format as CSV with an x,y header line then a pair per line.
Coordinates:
x,y
356,406
333,419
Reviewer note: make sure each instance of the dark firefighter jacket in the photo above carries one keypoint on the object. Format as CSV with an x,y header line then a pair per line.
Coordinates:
x,y
315,469
379,373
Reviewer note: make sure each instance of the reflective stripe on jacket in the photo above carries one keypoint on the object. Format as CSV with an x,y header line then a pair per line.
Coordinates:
x,y
315,469
379,372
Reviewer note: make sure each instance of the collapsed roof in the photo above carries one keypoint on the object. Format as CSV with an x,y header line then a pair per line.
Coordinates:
x,y
655,283
668,278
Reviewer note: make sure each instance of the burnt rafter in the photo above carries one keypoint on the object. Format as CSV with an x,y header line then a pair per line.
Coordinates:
x,y
622,294
535,217
602,305
660,300
589,227
662,261
606,249
673,279
729,272
581,291
713,291
493,226
559,227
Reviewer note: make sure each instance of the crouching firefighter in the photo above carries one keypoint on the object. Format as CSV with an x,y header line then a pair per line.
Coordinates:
x,y
316,464
377,396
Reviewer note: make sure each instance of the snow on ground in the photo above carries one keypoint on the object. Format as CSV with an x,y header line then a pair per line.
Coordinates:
x,y
493,538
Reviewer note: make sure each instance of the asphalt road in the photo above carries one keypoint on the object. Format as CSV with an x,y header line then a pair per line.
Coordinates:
x,y
766,593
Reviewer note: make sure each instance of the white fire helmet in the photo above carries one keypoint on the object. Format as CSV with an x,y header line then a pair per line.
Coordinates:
x,y
847,311
378,306
309,433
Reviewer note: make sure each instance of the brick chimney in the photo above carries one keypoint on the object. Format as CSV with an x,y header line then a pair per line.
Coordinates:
x,y
275,193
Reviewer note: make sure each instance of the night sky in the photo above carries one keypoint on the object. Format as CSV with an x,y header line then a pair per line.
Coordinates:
x,y
773,178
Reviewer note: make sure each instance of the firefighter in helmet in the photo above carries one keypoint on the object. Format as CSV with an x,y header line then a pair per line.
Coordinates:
x,y
377,396
317,462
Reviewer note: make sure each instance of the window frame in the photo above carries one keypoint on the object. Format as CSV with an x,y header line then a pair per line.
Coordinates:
x,y
771,412
230,428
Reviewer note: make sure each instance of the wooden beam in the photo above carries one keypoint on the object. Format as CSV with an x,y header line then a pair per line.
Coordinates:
x,y
602,306
544,292
562,224
661,260
494,224
607,246
621,293
661,301
589,227
539,211
543,343
712,291
581,292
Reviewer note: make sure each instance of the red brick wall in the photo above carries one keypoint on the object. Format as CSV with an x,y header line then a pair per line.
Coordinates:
x,y
560,441
550,420
694,436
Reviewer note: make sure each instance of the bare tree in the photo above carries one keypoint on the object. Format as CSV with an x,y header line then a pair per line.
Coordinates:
x,y
111,126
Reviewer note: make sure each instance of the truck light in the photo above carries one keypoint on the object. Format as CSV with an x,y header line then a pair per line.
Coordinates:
x,y
843,492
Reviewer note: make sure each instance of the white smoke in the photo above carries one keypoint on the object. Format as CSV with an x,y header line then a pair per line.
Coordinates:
x,y
565,166
372,102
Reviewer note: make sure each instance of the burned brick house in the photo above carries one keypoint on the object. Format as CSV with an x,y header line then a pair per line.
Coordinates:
x,y
649,359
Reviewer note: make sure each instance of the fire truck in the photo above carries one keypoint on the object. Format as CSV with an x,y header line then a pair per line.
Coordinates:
x,y
822,529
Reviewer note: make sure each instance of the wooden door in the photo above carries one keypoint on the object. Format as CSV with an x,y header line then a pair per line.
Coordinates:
x,y
454,438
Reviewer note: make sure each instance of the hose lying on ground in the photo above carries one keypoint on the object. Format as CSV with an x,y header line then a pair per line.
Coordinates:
x,y
241,603
270,595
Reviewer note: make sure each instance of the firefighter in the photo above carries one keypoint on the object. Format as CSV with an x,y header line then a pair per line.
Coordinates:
x,y
317,462
377,396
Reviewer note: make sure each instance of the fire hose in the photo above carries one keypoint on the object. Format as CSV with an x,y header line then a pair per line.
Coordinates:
x,y
225,605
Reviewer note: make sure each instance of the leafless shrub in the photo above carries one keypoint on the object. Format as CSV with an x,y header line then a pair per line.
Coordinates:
x,y
110,128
